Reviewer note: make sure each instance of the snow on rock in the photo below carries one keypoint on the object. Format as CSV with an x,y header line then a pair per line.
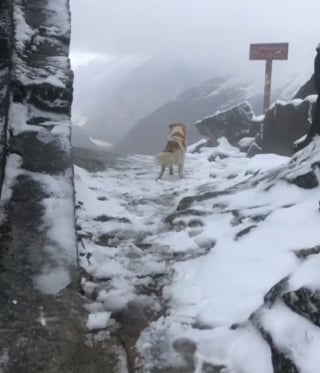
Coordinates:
x,y
39,134
221,256
38,242
284,123
245,142
233,124
98,320
39,268
5,73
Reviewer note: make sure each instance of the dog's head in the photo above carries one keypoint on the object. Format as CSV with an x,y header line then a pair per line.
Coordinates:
x,y
178,125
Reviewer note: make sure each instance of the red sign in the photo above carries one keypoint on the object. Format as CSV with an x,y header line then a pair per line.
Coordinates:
x,y
269,51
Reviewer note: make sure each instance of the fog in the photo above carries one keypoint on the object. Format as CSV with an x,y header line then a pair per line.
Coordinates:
x,y
215,32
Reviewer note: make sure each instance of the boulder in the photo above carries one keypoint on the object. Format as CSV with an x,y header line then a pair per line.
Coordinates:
x,y
284,123
233,124
307,89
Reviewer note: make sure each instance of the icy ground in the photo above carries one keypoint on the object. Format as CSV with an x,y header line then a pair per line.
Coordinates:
x,y
202,253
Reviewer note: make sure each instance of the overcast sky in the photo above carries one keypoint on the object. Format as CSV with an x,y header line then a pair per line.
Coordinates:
x,y
211,32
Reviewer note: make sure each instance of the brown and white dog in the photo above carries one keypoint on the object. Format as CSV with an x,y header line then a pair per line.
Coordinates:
x,y
174,152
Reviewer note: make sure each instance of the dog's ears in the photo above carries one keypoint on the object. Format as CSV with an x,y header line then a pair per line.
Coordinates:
x,y
171,125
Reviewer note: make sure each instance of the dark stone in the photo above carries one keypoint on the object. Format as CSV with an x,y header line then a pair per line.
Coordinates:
x,y
253,150
237,217
40,156
255,129
105,218
280,361
5,74
305,302
307,89
186,202
19,92
104,239
38,120
304,253
282,125
233,124
275,292
133,320
102,198
210,368
258,218
243,232
194,223
306,181
51,98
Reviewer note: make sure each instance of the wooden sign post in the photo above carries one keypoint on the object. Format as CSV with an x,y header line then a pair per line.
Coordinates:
x,y
268,52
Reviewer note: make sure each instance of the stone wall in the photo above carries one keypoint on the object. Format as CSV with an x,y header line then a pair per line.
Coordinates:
x,y
41,317
5,69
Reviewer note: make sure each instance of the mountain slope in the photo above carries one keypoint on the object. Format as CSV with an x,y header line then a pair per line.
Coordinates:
x,y
217,272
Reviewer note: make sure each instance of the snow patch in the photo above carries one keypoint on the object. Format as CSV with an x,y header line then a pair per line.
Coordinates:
x,y
98,320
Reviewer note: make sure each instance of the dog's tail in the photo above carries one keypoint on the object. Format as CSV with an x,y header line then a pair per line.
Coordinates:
x,y
165,159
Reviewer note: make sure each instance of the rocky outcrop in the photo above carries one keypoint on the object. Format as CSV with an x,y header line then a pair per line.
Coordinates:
x,y
5,70
41,319
284,123
307,89
233,124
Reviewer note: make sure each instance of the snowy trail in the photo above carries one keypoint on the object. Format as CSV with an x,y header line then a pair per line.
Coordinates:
x,y
199,256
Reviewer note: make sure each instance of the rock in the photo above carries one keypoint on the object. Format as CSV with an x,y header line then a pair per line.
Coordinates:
x,y
281,363
307,89
170,219
276,291
188,201
245,143
304,253
105,218
5,62
244,231
253,150
42,315
40,156
283,124
305,302
307,181
233,124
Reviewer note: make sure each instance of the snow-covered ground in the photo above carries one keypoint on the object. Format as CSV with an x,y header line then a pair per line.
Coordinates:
x,y
218,240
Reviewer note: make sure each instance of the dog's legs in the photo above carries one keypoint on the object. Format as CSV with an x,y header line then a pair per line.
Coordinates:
x,y
161,172
180,170
171,170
